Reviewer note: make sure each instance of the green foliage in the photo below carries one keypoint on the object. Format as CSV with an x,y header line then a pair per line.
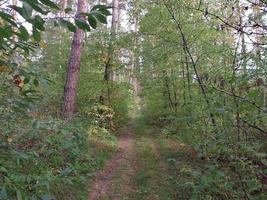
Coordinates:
x,y
175,48
225,177
45,157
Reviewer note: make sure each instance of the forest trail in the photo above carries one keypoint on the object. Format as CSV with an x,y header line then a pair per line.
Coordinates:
x,y
136,171
121,164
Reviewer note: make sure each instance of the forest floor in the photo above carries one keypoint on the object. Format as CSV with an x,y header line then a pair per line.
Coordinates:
x,y
138,170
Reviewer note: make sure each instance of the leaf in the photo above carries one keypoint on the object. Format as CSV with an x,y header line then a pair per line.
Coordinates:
x,y
36,154
100,17
35,6
36,82
5,32
66,171
28,92
8,18
19,10
36,34
102,9
67,24
92,21
64,131
23,33
82,25
27,9
67,10
105,12
2,169
38,23
50,4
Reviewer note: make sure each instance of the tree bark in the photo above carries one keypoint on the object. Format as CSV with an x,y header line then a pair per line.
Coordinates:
x,y
63,6
74,66
115,17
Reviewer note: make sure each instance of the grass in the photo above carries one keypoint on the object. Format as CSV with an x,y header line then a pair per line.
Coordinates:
x,y
152,178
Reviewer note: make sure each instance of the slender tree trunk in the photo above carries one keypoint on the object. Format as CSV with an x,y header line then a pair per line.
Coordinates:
x,y
114,29
168,89
74,66
136,66
115,17
63,6
108,74
186,50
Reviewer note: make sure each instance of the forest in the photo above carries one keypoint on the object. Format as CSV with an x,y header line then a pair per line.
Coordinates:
x,y
133,99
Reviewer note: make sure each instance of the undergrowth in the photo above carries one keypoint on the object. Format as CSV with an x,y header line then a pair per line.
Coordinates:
x,y
230,172
47,159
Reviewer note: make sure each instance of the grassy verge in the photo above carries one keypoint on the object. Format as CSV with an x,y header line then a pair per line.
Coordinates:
x,y
152,178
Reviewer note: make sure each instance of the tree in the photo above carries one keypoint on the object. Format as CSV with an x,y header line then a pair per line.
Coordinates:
x,y
74,65
110,75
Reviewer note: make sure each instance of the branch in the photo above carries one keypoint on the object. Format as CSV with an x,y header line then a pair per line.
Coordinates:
x,y
254,126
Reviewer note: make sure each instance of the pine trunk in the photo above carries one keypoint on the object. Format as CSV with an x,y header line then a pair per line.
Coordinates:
x,y
74,66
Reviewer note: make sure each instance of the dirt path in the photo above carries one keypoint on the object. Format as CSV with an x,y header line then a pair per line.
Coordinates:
x,y
120,165
138,171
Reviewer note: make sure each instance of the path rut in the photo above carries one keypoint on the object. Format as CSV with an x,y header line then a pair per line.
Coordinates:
x,y
123,159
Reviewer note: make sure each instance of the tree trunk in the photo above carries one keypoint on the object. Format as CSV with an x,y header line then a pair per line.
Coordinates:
x,y
63,6
74,66
114,30
109,75
115,17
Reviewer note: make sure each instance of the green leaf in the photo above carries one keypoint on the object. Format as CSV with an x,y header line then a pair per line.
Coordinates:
x,y
38,23
5,33
82,25
27,9
105,12
19,10
36,34
2,169
50,4
67,10
23,33
8,18
67,24
100,17
35,6
66,171
36,82
92,21
102,9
